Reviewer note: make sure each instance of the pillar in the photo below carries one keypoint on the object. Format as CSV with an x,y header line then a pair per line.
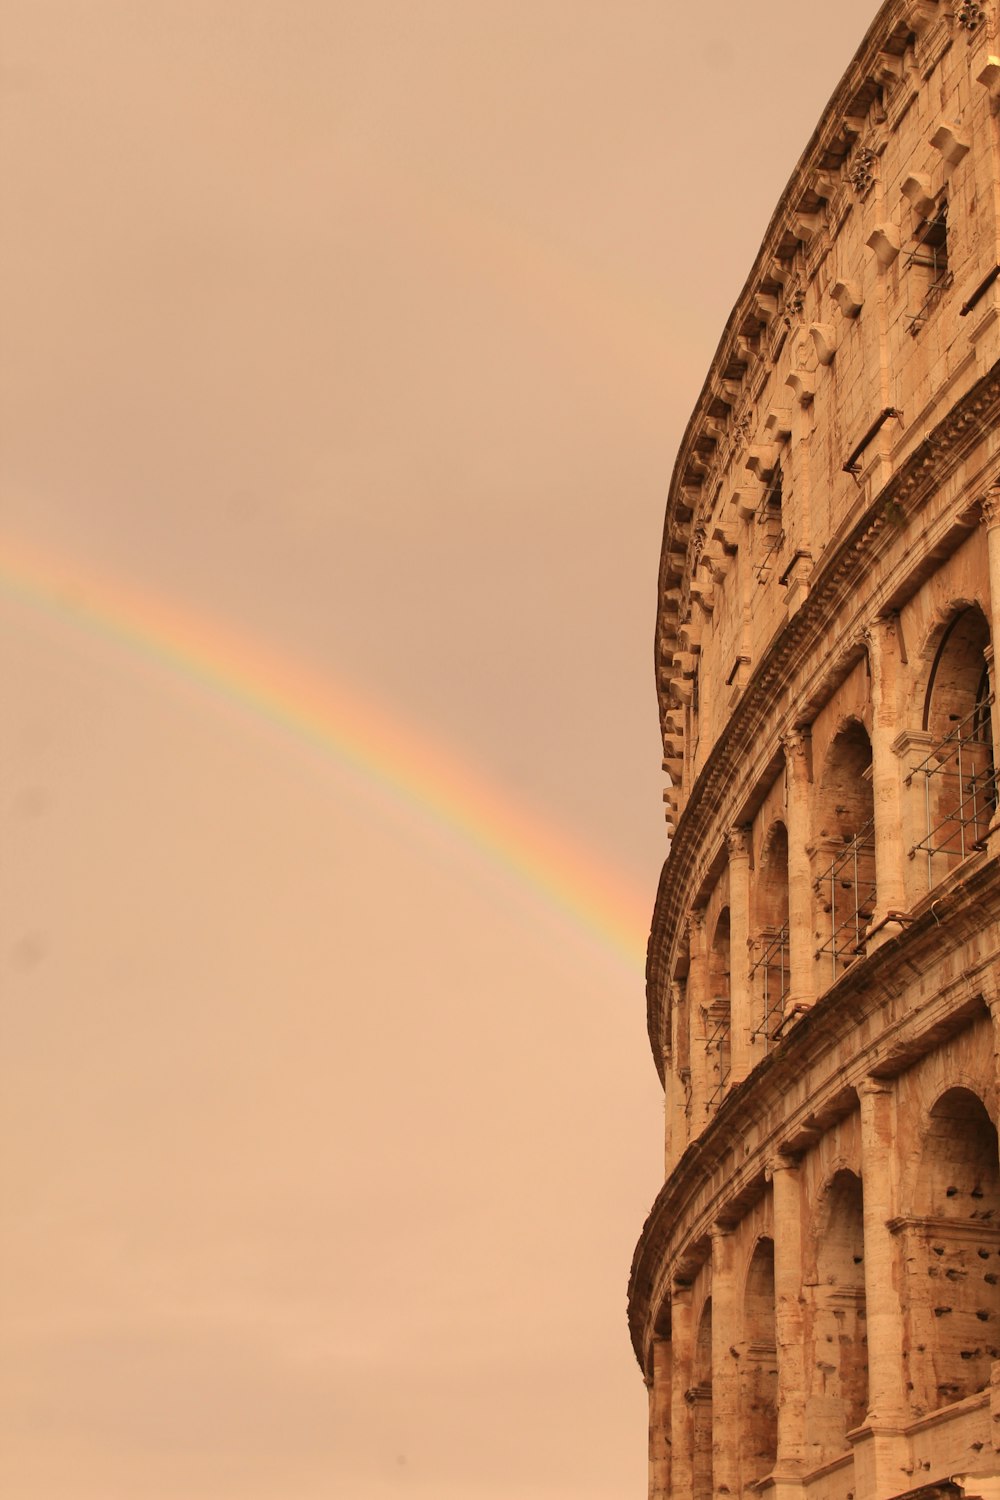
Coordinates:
x,y
697,1004
887,690
677,1075
786,1189
659,1421
989,506
681,1376
879,1456
801,935
725,1371
740,1014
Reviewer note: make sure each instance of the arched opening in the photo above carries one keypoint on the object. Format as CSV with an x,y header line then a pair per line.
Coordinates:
x,y
840,1389
956,778
953,1255
759,1384
701,1396
769,972
719,1015
845,886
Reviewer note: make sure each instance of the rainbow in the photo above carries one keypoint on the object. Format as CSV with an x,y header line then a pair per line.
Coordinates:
x,y
361,736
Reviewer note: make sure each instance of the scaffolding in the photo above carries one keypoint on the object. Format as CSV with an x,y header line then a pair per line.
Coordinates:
x,y
770,973
718,1042
847,885
769,518
959,792
930,252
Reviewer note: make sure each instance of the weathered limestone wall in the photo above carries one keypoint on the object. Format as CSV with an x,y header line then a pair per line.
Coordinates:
x,y
815,1298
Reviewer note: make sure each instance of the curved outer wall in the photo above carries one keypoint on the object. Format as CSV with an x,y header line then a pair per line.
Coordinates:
x,y
815,1297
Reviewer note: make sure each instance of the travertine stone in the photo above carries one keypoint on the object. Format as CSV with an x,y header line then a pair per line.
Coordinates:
x,y
815,1298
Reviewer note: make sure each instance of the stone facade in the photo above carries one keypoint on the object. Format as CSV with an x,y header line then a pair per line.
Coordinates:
x,y
815,1298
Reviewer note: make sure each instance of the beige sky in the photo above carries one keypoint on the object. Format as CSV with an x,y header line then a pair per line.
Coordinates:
x,y
364,331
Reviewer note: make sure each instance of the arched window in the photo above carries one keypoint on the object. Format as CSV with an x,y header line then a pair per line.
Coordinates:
x,y
759,1378
952,1254
701,1396
956,779
840,1389
845,887
769,973
719,1015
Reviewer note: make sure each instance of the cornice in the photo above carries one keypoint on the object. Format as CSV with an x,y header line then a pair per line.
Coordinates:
x,y
949,917
833,583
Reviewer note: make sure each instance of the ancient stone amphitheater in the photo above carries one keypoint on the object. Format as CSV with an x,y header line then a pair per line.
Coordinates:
x,y
815,1298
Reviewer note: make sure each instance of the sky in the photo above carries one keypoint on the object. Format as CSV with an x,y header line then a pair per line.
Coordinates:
x,y
345,349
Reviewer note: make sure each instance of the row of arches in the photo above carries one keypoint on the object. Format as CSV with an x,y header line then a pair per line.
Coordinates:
x,y
944,1268
947,798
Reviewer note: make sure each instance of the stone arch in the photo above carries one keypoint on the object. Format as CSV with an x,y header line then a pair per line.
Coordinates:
x,y
769,973
759,1378
952,1254
839,1397
844,812
772,877
844,798
956,774
701,1397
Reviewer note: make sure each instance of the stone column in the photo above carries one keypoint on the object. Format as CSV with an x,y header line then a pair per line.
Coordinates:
x,y
879,1455
786,1192
681,1376
989,505
725,1371
677,1078
741,1019
887,685
697,1003
659,1421
801,936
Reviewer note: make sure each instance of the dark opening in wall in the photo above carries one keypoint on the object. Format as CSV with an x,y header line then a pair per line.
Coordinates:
x,y
929,256
845,851
769,970
759,1375
955,781
839,1398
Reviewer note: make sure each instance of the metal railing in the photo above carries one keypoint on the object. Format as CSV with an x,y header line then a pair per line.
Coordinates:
x,y
848,885
959,785
770,974
718,1042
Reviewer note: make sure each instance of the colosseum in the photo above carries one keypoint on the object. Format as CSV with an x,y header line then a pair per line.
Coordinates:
x,y
815,1297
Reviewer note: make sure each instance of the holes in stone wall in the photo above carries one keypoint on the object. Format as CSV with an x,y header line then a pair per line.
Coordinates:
x,y
953,1255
